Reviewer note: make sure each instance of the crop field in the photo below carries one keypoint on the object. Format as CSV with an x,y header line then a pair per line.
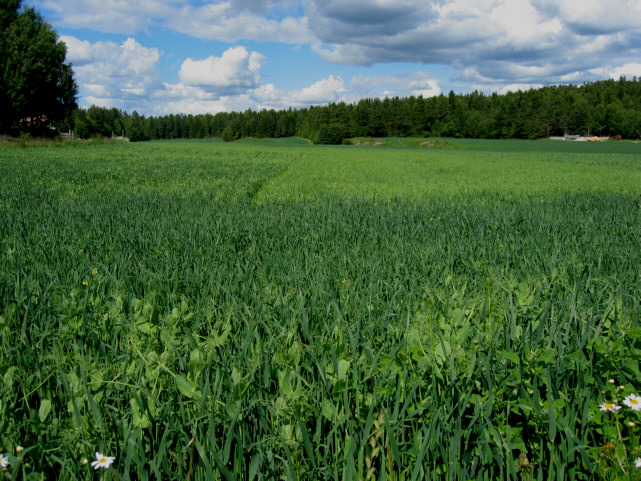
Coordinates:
x,y
265,310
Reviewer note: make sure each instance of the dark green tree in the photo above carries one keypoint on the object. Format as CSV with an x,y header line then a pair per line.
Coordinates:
x,y
36,85
331,134
232,131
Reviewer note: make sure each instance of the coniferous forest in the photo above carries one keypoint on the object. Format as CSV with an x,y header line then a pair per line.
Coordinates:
x,y
604,108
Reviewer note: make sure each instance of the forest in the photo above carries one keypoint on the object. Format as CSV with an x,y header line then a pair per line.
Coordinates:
x,y
604,108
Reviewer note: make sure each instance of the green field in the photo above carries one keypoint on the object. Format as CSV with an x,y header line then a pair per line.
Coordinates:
x,y
276,310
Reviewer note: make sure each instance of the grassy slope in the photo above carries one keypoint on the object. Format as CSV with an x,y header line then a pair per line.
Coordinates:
x,y
273,300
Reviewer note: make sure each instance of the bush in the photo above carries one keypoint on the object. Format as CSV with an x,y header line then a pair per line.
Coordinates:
x,y
331,134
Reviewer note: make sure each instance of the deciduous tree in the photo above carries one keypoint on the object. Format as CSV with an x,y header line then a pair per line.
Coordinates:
x,y
36,84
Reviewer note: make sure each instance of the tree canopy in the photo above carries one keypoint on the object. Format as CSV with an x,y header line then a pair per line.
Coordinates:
x,y
607,107
36,84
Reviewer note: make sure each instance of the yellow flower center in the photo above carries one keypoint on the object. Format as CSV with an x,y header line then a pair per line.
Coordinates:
x,y
608,405
634,401
102,460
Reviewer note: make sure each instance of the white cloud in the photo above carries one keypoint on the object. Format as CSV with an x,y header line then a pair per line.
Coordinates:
x,y
522,24
268,94
402,85
189,106
628,70
180,91
321,92
222,21
588,17
427,87
173,98
490,45
126,76
235,70
228,21
113,16
516,87
110,73
504,41
78,51
97,90
331,18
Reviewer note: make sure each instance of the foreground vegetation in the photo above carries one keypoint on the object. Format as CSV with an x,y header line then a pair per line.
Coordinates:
x,y
202,310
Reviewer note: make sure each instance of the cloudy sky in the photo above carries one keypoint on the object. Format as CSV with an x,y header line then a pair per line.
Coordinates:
x,y
196,56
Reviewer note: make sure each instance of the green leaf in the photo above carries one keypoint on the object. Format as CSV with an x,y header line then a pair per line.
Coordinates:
x,y
233,409
327,409
343,369
140,418
634,333
187,388
510,356
547,356
254,465
559,404
516,439
195,364
236,376
8,376
45,409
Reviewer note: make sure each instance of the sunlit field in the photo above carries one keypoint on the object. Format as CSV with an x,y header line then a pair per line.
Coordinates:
x,y
275,310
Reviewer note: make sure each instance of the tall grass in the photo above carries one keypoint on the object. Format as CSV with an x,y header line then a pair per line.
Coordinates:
x,y
192,310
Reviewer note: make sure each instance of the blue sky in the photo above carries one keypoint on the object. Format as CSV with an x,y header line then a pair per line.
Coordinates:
x,y
195,56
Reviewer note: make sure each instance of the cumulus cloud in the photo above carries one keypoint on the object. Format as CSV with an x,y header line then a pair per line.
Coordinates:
x,y
113,16
330,19
507,42
489,45
236,70
628,70
125,75
402,85
590,17
444,32
269,95
334,89
177,98
261,7
230,21
189,106
222,21
109,73
79,52
326,90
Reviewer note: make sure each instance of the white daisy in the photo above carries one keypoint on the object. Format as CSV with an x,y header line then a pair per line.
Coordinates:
x,y
637,462
633,402
102,461
609,407
4,461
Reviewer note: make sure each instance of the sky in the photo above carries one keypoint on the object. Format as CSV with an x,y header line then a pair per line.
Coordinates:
x,y
194,56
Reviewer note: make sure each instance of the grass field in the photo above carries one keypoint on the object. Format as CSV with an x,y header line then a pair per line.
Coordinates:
x,y
277,310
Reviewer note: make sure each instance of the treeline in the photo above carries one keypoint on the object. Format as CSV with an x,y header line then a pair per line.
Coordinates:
x,y
605,108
